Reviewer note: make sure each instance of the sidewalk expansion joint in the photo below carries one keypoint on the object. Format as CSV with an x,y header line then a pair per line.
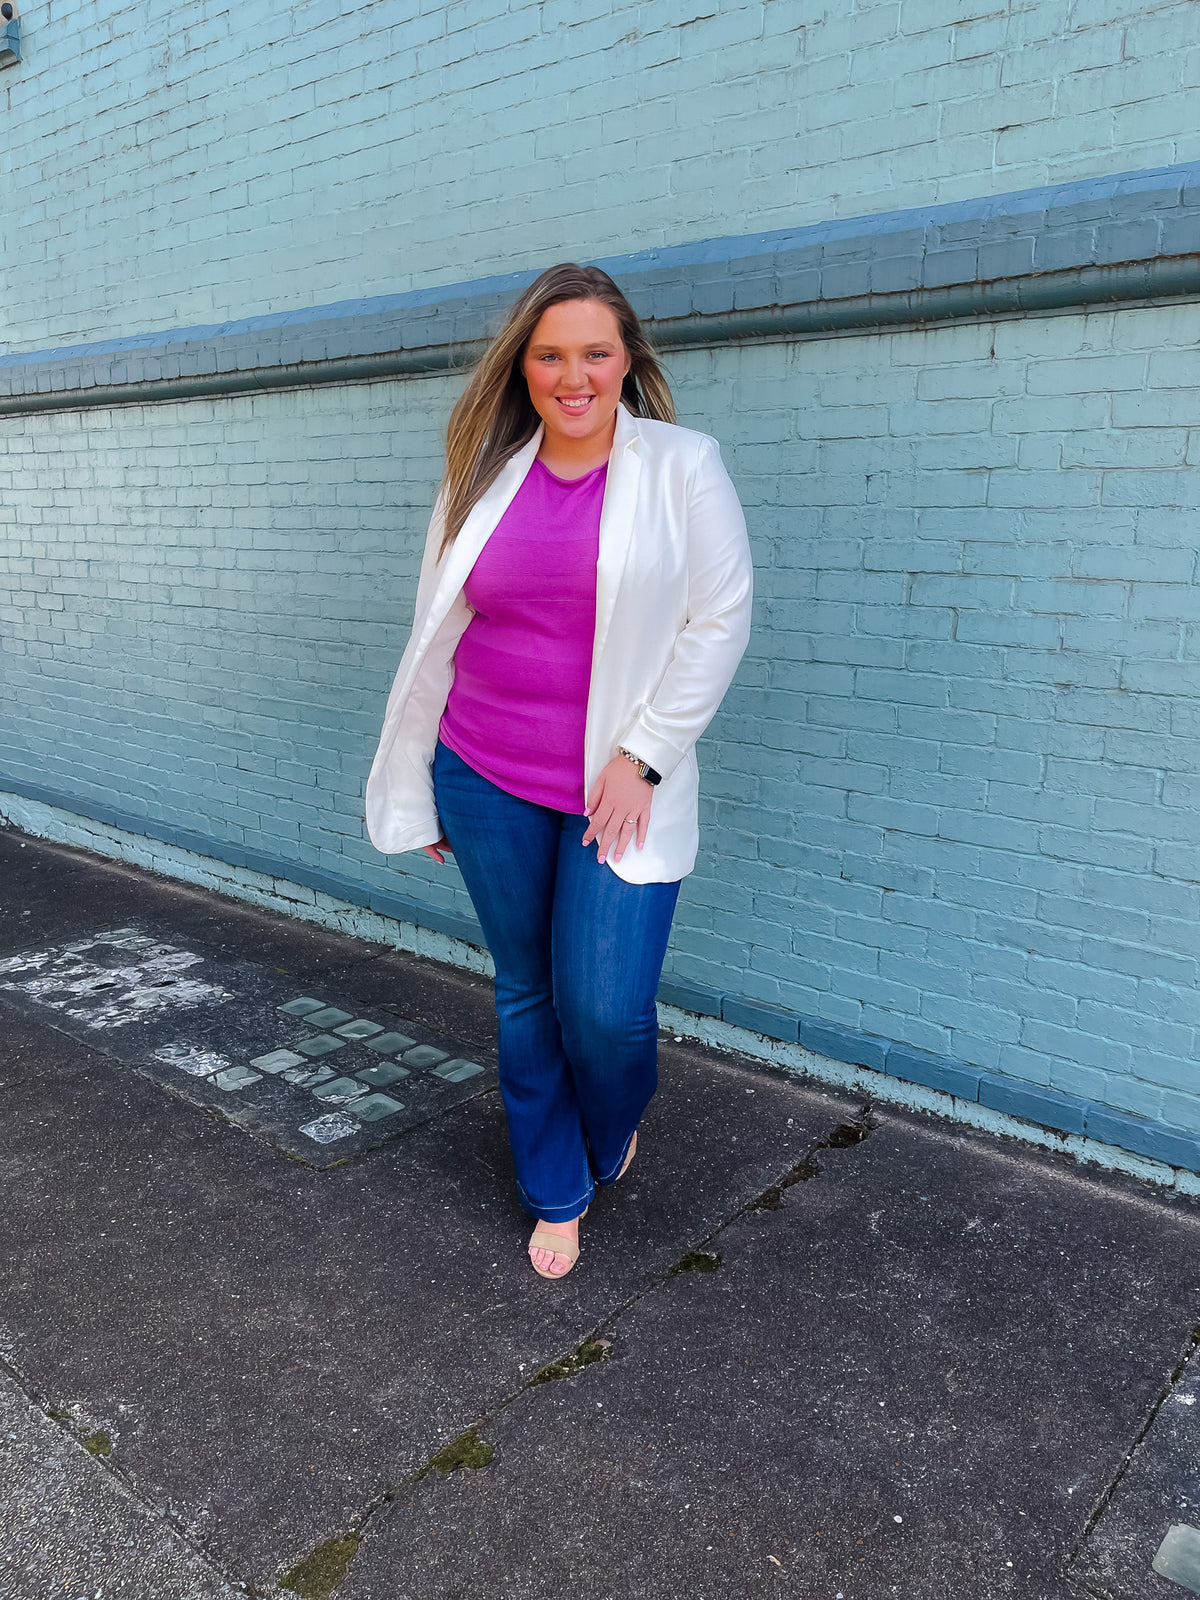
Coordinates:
x,y
1105,1498
98,1443
695,1261
468,1450
317,1575
590,1351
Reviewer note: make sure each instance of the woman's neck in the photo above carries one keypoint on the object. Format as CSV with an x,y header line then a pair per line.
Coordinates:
x,y
568,458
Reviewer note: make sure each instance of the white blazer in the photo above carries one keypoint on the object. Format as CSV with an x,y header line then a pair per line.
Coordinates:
x,y
673,592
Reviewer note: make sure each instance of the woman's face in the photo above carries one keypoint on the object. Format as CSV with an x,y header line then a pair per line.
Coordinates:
x,y
574,364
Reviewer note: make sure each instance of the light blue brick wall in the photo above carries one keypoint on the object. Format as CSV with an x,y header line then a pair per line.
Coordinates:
x,y
960,807
171,166
203,604
951,801
952,804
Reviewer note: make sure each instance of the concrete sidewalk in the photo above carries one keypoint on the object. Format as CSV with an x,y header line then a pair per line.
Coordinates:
x,y
811,1349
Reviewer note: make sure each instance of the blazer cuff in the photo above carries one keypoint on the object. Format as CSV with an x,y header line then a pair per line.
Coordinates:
x,y
651,748
415,837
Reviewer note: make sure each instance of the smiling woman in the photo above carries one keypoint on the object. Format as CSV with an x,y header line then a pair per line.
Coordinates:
x,y
575,365
584,602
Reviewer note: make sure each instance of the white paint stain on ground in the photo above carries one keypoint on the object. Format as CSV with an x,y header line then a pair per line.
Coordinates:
x,y
64,978
326,1129
190,1058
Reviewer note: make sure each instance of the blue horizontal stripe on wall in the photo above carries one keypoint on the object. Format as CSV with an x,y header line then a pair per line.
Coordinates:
x,y
1103,240
1047,1108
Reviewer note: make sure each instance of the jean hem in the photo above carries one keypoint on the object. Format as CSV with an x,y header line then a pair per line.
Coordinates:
x,y
615,1171
564,1213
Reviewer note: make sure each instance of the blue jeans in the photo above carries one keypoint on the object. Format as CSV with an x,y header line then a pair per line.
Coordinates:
x,y
578,953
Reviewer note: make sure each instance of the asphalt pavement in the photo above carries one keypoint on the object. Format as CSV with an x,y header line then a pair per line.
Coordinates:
x,y
267,1326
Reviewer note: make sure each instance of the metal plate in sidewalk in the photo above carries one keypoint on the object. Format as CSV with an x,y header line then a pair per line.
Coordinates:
x,y
302,1067
1130,1551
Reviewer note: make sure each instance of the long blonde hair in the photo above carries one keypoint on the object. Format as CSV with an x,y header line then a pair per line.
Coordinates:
x,y
495,416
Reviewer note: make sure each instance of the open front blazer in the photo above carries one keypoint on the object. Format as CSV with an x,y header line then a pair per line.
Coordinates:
x,y
673,593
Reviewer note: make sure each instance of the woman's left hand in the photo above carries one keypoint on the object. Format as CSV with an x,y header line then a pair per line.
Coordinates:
x,y
619,809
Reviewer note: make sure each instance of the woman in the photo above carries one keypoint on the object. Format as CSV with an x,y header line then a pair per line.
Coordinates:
x,y
583,604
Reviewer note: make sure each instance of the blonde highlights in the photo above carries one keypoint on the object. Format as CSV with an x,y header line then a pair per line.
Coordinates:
x,y
495,416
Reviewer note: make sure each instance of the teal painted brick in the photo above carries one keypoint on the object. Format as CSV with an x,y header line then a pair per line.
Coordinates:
x,y
934,1072
1175,1072
1181,1110
776,1022
844,1044
697,997
1157,1140
422,87
1051,1108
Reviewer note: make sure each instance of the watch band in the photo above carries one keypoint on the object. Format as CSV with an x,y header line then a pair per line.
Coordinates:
x,y
645,770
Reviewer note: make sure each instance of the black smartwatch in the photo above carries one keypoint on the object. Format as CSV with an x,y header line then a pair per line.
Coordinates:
x,y
645,770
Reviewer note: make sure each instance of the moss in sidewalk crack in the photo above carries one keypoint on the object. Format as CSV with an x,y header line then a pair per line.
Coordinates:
x,y
589,1351
847,1134
696,1261
320,1573
843,1137
468,1450
771,1199
97,1443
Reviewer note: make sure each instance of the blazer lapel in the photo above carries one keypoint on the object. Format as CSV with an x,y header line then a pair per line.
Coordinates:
x,y
475,533
616,522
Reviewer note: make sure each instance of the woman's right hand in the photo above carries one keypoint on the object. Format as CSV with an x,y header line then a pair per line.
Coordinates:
x,y
435,851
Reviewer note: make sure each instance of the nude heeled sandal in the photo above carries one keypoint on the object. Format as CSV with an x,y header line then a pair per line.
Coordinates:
x,y
628,1156
542,1240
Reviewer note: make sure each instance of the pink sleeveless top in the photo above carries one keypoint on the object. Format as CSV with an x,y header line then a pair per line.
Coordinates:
x,y
518,703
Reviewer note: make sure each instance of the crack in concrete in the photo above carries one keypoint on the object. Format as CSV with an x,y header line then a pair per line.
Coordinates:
x,y
843,1137
696,1261
470,1450
590,1351
323,1570
318,1574
1104,1500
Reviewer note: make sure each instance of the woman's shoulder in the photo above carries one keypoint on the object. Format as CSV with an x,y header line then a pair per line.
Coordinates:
x,y
670,438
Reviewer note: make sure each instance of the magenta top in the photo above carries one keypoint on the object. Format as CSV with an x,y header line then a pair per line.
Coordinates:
x,y
518,702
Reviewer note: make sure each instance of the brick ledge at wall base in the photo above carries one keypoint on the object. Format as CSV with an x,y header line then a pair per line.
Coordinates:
x,y
1048,1108
1121,239
1064,1114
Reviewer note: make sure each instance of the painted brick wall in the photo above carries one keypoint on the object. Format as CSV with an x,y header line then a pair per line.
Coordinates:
x,y
953,797
969,739
257,157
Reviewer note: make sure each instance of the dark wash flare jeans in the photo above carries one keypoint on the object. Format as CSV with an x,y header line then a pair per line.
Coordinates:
x,y
578,954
